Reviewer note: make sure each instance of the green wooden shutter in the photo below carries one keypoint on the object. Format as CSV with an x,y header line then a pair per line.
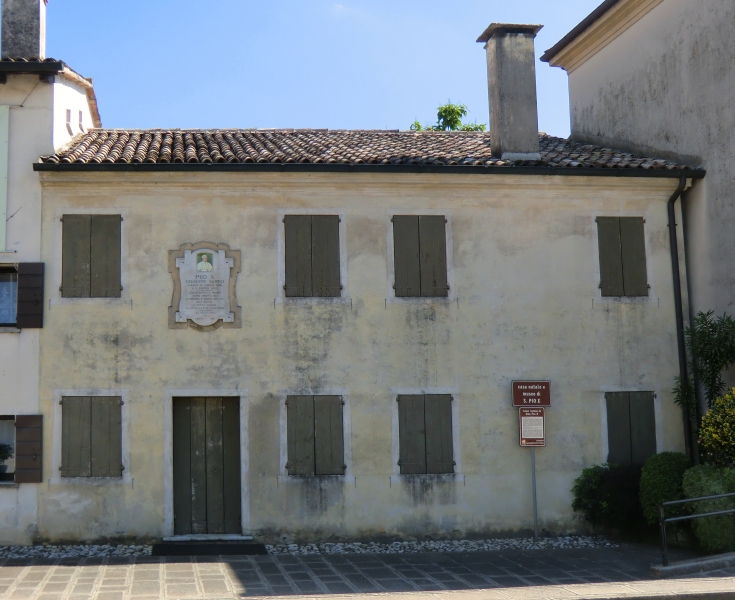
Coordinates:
x,y
633,243
406,256
105,255
300,432
642,427
75,256
325,281
438,420
328,436
215,466
611,261
28,449
298,255
106,444
618,428
411,435
30,296
433,256
76,438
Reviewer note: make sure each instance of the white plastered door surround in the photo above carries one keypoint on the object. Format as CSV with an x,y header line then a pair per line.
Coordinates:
x,y
168,458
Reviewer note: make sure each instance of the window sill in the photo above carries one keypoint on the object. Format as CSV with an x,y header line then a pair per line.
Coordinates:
x,y
599,300
92,481
9,330
301,479
124,301
435,478
438,300
312,300
8,484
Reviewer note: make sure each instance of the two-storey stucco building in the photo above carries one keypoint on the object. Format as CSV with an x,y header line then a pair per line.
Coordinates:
x,y
304,334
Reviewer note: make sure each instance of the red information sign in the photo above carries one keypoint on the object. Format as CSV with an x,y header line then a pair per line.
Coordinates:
x,y
531,393
532,427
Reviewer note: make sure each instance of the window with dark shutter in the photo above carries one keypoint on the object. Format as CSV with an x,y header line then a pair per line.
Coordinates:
x,y
28,448
420,254
315,435
91,254
8,296
91,437
425,434
622,249
631,427
312,256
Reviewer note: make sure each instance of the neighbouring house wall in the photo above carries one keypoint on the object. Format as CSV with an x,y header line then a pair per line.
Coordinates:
x,y
35,110
524,303
665,87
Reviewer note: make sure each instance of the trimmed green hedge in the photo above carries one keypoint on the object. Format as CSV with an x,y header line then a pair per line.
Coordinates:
x,y
661,481
608,496
715,534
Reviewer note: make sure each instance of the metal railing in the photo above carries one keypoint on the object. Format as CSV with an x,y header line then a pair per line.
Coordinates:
x,y
663,520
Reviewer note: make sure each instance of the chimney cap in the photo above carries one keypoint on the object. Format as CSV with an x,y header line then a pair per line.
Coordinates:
x,y
505,28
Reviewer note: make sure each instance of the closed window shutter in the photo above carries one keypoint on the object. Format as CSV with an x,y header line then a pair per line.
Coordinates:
x,y
106,448
328,435
298,256
633,243
75,256
30,296
642,427
406,256
433,256
411,435
105,256
438,419
28,448
300,432
618,428
611,262
325,256
76,438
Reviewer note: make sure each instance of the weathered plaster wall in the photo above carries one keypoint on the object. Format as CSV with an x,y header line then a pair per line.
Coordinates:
x,y
665,87
527,306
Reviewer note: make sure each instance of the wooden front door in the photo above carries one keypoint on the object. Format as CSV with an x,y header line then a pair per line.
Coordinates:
x,y
206,465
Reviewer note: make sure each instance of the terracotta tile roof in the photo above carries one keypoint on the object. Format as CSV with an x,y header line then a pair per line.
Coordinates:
x,y
330,147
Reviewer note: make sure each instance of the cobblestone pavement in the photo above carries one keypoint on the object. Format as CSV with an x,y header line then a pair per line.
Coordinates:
x,y
618,572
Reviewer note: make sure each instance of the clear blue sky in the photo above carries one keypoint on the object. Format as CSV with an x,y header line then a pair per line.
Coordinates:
x,y
345,64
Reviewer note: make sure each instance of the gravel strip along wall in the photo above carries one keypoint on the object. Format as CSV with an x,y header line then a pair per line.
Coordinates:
x,y
49,551
447,546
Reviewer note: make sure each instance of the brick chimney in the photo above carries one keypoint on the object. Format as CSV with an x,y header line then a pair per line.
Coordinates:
x,y
24,29
511,78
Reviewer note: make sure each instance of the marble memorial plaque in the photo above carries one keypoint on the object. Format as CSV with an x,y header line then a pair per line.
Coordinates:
x,y
205,289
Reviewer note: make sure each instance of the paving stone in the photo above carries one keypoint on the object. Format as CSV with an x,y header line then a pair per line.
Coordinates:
x,y
181,590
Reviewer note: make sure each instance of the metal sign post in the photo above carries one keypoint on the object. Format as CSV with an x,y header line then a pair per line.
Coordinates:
x,y
532,426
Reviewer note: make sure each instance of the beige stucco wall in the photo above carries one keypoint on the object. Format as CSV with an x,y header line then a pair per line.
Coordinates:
x,y
525,305
664,87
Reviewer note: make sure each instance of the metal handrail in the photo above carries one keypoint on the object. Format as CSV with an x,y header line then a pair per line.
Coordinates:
x,y
663,520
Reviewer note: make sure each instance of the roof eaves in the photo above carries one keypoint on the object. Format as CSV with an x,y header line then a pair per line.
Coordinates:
x,y
590,20
365,168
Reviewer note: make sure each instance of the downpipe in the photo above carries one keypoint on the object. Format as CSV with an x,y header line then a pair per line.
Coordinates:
x,y
689,419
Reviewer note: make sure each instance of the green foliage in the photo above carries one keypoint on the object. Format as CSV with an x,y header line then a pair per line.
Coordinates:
x,y
715,534
608,496
711,345
6,452
449,118
661,481
717,432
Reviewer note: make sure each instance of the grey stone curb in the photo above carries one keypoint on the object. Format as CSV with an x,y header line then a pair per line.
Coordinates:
x,y
699,565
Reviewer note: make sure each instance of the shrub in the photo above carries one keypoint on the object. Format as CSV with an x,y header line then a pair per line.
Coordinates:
x,y
6,452
715,534
608,496
717,432
661,481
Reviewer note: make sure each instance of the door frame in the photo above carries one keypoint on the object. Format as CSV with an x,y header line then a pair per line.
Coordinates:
x,y
168,452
